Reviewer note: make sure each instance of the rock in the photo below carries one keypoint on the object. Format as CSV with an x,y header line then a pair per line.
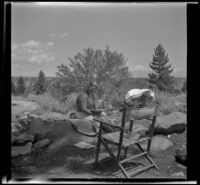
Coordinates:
x,y
171,123
159,143
178,174
19,106
41,144
20,126
58,129
21,150
84,145
181,155
14,129
22,139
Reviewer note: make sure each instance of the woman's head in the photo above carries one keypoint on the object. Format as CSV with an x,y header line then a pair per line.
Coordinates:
x,y
92,87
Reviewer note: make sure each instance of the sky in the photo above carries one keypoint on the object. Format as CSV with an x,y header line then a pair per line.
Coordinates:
x,y
44,36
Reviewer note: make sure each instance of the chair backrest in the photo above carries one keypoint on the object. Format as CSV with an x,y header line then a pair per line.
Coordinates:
x,y
131,114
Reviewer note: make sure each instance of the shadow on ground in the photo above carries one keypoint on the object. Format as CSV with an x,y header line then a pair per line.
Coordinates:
x,y
71,162
64,161
67,162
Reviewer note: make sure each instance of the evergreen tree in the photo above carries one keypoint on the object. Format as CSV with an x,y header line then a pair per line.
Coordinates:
x,y
20,86
162,70
39,87
13,88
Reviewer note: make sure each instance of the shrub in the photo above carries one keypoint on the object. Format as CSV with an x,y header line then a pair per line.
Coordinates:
x,y
48,103
71,101
22,98
170,103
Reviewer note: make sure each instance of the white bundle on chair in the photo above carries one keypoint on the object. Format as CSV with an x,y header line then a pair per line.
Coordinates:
x,y
136,93
139,98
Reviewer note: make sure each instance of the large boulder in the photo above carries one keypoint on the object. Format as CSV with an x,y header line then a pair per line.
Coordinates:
x,y
19,126
181,155
21,139
19,106
159,143
58,129
174,122
165,125
21,150
41,144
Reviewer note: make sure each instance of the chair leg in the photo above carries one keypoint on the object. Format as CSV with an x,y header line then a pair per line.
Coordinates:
x,y
126,151
123,171
97,151
148,157
149,145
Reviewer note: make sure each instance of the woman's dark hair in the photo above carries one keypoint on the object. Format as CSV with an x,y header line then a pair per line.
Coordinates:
x,y
92,83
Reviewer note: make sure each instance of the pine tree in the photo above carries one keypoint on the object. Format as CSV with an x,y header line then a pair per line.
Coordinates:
x,y
162,70
20,86
39,87
13,88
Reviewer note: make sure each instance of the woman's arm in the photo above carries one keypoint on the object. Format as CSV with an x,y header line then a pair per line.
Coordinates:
x,y
82,105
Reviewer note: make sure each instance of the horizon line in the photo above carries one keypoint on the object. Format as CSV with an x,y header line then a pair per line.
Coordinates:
x,y
55,76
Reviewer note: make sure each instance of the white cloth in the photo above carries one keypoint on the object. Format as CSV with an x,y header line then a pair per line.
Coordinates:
x,y
135,93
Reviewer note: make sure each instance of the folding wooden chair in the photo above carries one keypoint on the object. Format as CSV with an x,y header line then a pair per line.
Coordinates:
x,y
122,142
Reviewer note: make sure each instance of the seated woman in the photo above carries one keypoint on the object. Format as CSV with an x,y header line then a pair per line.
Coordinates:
x,y
87,101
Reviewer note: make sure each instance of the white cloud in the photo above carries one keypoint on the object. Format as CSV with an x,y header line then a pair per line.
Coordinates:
x,y
33,51
31,43
50,43
139,68
64,34
176,69
14,46
52,34
15,65
14,56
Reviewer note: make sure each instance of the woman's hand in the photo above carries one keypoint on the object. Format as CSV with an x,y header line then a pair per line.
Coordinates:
x,y
90,118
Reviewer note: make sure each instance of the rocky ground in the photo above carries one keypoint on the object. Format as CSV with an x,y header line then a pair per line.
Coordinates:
x,y
71,162
33,156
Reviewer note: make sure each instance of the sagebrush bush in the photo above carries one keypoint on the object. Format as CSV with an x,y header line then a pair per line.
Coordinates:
x,y
169,103
71,101
48,103
22,98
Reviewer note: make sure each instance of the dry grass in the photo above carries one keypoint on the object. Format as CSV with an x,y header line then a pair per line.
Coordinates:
x,y
171,103
168,102
48,103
